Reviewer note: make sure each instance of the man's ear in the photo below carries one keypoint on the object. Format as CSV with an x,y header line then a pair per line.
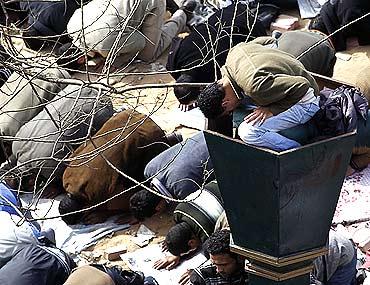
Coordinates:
x,y
193,243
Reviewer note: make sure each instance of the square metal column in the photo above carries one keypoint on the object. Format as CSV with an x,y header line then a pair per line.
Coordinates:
x,y
280,204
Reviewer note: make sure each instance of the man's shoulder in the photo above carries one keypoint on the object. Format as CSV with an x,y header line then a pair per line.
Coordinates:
x,y
200,275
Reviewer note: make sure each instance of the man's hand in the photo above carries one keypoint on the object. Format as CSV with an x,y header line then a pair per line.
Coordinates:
x,y
259,115
164,246
167,262
185,278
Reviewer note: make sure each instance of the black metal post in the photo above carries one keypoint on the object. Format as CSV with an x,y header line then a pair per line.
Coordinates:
x,y
280,204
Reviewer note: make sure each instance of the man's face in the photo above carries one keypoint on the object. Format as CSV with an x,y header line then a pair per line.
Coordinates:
x,y
226,265
230,101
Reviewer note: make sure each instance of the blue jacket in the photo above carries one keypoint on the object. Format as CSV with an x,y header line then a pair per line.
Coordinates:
x,y
9,195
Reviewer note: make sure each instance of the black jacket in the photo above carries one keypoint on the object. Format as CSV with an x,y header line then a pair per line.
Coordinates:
x,y
213,38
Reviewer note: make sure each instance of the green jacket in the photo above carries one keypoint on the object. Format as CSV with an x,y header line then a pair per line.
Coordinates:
x,y
271,78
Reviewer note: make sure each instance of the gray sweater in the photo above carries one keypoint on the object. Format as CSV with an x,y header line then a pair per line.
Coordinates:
x,y
61,127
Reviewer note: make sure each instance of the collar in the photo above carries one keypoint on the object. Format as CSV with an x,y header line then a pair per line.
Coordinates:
x,y
238,91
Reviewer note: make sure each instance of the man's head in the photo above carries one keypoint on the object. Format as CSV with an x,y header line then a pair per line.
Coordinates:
x,y
70,56
145,204
218,247
217,99
70,204
186,94
181,240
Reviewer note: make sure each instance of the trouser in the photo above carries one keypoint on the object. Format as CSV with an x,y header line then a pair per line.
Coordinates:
x,y
266,135
346,274
154,36
159,35
33,265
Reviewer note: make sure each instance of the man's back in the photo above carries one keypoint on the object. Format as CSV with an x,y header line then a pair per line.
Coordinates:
x,y
271,78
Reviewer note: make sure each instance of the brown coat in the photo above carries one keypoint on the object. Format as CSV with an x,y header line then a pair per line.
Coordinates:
x,y
129,140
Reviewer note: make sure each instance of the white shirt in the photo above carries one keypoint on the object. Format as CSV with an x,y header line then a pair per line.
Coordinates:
x,y
13,236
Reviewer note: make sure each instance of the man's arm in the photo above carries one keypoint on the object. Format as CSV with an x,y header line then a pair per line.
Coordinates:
x,y
278,91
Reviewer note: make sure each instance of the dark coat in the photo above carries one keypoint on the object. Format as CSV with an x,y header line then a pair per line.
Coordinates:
x,y
34,264
49,18
337,13
340,110
212,38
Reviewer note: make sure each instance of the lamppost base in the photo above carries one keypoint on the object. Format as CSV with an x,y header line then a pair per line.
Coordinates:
x,y
286,270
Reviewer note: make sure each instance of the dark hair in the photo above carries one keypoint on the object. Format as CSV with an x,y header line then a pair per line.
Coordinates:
x,y
178,237
186,94
219,243
210,100
68,55
71,204
143,204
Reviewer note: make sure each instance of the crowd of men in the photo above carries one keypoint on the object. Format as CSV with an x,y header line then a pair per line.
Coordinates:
x,y
61,136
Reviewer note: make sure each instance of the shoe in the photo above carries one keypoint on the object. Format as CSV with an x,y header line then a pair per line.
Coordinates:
x,y
188,6
174,138
171,6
